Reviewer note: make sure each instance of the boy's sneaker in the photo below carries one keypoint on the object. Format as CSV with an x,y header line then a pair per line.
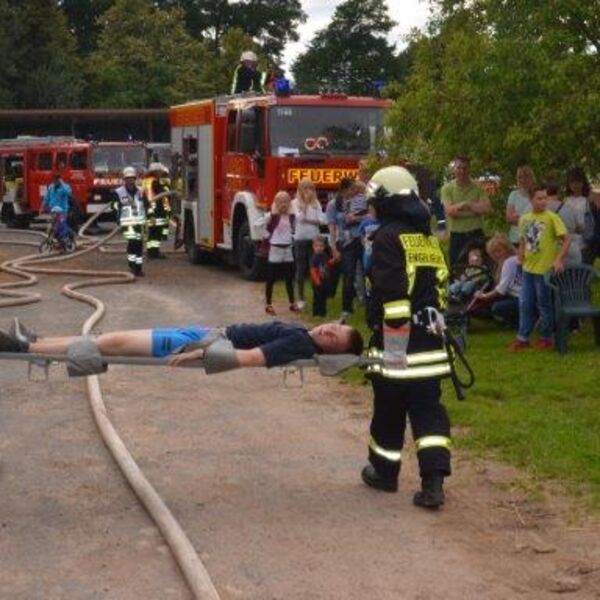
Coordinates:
x,y
518,345
295,308
21,333
300,304
544,344
11,344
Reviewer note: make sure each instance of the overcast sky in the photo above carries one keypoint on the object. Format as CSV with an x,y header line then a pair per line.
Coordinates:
x,y
407,13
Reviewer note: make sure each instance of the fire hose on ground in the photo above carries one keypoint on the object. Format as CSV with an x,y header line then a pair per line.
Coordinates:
x,y
25,268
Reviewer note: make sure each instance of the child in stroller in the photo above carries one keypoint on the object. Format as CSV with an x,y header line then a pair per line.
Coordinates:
x,y
473,274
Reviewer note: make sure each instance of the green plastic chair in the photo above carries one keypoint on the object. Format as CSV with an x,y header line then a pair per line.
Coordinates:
x,y
572,295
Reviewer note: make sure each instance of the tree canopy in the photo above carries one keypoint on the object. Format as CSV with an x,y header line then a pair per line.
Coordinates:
x,y
146,58
351,52
507,82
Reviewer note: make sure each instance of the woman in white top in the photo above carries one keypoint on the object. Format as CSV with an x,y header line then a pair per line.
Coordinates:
x,y
519,201
279,230
505,296
577,199
308,215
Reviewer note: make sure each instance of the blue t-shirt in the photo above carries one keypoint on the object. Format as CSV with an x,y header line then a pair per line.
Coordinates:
x,y
367,227
58,197
280,342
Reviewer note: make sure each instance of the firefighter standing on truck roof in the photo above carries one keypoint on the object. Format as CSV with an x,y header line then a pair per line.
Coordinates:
x,y
408,276
130,205
246,77
157,181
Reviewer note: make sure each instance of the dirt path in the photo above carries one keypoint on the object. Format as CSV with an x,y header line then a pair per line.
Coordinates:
x,y
264,479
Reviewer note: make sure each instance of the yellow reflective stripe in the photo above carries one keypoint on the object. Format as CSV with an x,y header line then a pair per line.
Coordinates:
x,y
433,441
416,358
433,356
392,455
411,372
399,309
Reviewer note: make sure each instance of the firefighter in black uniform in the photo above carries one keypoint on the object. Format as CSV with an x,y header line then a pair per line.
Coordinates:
x,y
246,76
156,182
408,277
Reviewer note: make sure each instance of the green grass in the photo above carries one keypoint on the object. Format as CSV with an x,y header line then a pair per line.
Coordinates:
x,y
537,410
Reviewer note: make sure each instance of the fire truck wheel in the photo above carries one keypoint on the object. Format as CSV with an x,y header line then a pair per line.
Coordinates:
x,y
195,255
251,264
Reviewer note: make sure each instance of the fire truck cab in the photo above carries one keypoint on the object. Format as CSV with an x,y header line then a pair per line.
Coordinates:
x,y
92,169
236,152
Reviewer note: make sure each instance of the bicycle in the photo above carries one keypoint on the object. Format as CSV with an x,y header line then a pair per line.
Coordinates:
x,y
54,240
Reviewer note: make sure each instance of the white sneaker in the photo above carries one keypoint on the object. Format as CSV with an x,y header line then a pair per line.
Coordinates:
x,y
300,304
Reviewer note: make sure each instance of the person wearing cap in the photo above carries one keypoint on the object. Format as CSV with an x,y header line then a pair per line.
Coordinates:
x,y
408,284
157,181
130,206
247,77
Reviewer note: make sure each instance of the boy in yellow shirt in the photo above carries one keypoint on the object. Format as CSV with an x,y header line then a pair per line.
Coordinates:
x,y
543,245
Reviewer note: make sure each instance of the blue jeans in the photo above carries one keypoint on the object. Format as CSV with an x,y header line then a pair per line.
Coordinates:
x,y
535,295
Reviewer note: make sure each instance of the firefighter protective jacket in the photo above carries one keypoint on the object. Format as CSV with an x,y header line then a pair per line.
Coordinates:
x,y
158,210
408,274
130,207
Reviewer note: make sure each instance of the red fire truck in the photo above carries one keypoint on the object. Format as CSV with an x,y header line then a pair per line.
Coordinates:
x,y
235,153
92,169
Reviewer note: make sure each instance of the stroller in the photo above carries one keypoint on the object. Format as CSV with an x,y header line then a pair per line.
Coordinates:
x,y
467,279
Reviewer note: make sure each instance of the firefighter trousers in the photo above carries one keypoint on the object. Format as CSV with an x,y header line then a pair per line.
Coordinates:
x,y
155,236
393,402
135,247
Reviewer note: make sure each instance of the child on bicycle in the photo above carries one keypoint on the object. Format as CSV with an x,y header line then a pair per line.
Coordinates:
x,y
57,201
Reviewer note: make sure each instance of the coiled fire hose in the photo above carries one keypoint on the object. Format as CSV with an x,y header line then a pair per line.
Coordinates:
x,y
25,267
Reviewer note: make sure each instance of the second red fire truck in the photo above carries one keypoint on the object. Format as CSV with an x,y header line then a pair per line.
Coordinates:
x,y
235,153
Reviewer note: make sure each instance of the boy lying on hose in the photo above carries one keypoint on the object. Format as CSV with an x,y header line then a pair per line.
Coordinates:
x,y
244,345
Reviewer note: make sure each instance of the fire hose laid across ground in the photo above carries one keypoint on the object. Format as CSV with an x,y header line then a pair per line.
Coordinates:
x,y
25,268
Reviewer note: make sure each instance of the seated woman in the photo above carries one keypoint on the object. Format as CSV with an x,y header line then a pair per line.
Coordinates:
x,y
505,295
247,345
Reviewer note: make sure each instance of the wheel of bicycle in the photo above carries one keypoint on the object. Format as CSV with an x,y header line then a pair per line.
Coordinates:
x,y
45,246
70,245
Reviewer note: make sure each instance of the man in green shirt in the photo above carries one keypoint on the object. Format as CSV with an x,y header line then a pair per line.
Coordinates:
x,y
465,204
543,245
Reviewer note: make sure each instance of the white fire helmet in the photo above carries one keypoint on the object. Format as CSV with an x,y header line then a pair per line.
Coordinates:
x,y
248,55
396,181
157,167
129,172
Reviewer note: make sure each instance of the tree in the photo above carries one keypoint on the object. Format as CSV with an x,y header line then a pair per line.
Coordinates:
x,y
506,81
272,23
42,69
145,58
351,52
83,16
8,70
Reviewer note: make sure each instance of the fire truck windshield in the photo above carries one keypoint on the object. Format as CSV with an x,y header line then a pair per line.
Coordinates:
x,y
331,130
113,159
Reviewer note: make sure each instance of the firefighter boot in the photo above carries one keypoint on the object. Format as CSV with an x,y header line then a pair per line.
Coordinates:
x,y
432,491
373,479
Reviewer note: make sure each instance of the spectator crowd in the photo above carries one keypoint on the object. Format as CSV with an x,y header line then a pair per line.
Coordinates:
x,y
549,227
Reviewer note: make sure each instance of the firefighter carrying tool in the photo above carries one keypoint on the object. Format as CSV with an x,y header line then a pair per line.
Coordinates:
x,y
408,276
130,206
156,183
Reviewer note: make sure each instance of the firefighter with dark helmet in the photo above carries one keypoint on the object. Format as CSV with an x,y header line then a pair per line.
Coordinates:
x,y
130,206
408,276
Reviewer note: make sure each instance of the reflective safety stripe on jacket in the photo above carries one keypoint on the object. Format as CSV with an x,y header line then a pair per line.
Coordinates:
x,y
420,365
